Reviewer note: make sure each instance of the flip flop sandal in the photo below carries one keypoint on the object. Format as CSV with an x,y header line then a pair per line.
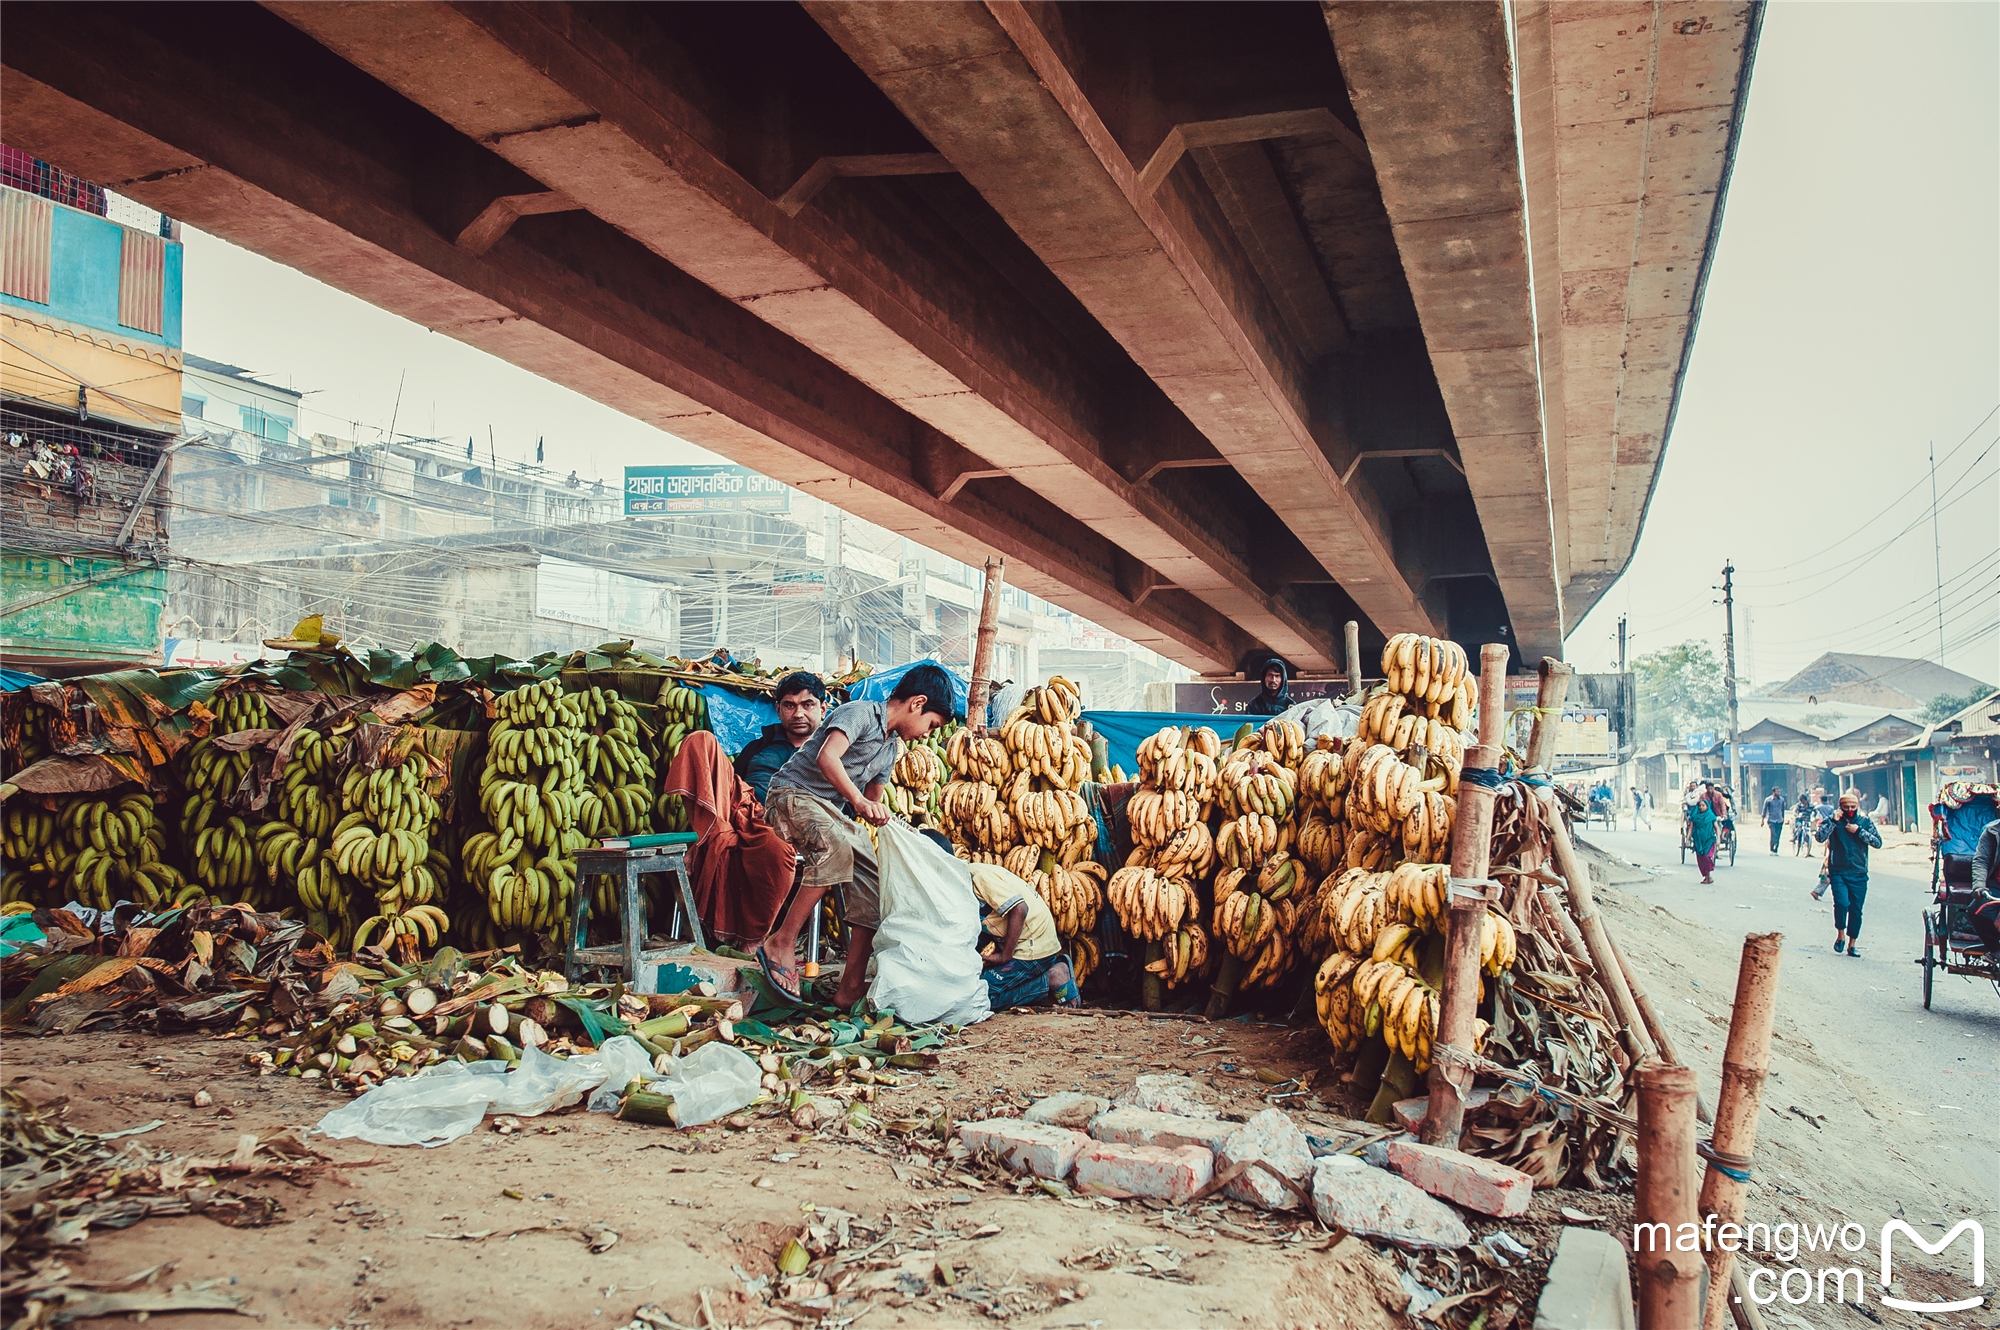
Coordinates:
x,y
771,972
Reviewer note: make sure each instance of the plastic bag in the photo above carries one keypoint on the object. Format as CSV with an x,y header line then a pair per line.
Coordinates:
x,y
1324,716
443,1102
927,965
624,1062
714,1080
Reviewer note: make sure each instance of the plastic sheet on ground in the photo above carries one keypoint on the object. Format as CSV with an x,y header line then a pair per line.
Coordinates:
x,y
448,1100
711,1082
927,965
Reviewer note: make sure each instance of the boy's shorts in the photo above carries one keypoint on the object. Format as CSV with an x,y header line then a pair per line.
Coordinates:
x,y
836,847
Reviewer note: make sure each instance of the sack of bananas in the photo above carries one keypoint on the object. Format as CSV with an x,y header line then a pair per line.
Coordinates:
x,y
1150,906
1184,955
1433,673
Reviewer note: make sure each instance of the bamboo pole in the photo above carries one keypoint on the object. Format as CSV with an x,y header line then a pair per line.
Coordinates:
x,y
982,654
1549,699
1354,660
1668,1278
1745,1062
1654,1026
1471,848
1590,923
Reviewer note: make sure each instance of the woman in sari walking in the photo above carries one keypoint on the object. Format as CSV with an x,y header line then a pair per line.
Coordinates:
x,y
1702,827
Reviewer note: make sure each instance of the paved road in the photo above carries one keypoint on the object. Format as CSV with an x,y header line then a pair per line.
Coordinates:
x,y
1864,1013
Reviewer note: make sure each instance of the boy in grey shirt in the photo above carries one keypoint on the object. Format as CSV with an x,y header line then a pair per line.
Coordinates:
x,y
835,777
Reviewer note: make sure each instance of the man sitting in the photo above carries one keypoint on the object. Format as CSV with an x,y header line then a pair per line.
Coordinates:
x,y
840,768
1026,965
801,702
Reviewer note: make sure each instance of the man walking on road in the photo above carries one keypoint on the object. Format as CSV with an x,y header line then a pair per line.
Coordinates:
x,y
1848,836
1639,809
1774,814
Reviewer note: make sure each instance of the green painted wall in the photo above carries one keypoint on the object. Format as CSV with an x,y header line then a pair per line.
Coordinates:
x,y
114,620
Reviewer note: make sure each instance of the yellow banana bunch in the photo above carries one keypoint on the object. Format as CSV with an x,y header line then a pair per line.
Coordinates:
x,y
1320,844
1188,854
1056,702
1275,961
1052,819
1496,942
1184,955
1148,905
1073,895
973,758
1267,791
427,922
1322,778
1333,996
1418,892
1284,741
1427,829
1281,877
1245,922
1157,814
1428,670
917,768
1370,849
1247,841
1155,749
1384,789
966,803
1400,1006
1085,957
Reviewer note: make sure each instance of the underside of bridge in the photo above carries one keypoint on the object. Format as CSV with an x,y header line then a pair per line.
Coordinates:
x,y
1223,322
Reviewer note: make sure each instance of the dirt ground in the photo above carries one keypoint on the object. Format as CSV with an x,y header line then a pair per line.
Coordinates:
x,y
615,1217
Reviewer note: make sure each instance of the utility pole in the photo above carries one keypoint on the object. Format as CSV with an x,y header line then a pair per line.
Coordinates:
x,y
1729,678
1628,713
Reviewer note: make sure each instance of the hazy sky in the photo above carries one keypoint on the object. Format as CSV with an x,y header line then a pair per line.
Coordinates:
x,y
1852,321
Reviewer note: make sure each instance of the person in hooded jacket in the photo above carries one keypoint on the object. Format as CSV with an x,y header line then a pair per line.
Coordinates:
x,y
1276,699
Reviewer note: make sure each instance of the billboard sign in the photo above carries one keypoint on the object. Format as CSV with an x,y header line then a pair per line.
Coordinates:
x,y
658,491
1228,697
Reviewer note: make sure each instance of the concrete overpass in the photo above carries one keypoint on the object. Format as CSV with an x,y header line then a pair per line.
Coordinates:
x,y
1225,323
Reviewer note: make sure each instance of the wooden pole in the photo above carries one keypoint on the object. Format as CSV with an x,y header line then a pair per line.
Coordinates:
x,y
1353,659
1668,1278
1654,1026
982,653
1745,1063
1471,847
1583,903
1548,709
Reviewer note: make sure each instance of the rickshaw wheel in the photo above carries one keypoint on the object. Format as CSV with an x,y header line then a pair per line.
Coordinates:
x,y
1929,961
1732,849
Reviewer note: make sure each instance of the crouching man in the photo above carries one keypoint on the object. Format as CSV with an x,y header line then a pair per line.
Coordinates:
x,y
835,778
1024,958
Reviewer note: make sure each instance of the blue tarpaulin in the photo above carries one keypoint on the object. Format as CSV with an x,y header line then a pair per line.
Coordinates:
x,y
877,687
1963,824
1123,731
736,719
13,681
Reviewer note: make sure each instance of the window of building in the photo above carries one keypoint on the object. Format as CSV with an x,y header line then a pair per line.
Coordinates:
x,y
27,228
193,406
265,425
142,281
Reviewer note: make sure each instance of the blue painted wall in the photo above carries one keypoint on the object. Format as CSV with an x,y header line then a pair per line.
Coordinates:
x,y
83,278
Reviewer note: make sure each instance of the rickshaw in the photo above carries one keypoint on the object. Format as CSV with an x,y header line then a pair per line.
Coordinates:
x,y
1962,810
1725,834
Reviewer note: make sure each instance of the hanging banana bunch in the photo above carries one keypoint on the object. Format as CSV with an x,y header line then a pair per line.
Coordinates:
x,y
531,792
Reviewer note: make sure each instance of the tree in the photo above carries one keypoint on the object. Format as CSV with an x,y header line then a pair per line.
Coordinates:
x,y
1944,706
1681,691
